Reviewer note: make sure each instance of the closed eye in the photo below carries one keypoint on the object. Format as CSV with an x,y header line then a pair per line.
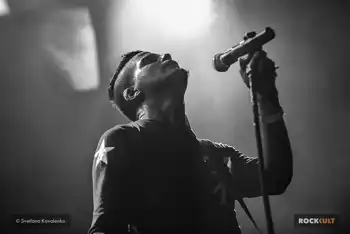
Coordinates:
x,y
148,59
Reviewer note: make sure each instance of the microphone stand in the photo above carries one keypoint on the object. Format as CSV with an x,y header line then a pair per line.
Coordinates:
x,y
256,123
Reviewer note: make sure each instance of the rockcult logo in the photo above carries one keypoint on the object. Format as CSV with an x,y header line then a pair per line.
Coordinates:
x,y
316,220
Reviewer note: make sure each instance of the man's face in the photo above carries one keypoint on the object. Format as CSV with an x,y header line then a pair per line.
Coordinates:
x,y
154,73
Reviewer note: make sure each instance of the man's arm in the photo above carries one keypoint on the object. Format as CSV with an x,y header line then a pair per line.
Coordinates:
x,y
244,170
278,163
110,185
278,157
277,151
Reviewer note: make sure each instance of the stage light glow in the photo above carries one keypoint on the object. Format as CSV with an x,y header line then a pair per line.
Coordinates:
x,y
173,18
4,8
73,47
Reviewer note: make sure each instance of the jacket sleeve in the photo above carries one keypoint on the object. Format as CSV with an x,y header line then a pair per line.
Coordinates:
x,y
109,173
244,170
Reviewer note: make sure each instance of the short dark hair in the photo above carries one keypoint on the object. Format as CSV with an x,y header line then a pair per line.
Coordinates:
x,y
120,82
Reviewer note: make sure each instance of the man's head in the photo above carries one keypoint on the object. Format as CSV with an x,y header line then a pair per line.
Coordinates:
x,y
144,77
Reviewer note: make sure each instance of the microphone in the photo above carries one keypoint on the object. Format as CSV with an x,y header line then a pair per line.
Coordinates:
x,y
251,43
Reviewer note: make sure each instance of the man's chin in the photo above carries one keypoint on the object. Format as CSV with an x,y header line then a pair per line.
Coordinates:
x,y
177,78
185,75
182,74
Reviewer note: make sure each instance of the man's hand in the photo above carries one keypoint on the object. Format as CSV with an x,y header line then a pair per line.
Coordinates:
x,y
261,69
258,67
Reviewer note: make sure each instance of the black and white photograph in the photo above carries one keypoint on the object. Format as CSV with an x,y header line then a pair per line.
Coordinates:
x,y
175,116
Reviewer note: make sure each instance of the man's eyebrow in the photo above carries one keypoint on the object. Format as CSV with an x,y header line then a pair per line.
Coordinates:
x,y
142,55
147,59
147,55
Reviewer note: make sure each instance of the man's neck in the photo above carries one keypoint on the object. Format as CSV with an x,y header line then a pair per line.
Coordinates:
x,y
164,113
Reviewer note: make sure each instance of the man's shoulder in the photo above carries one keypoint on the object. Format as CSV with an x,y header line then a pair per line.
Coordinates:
x,y
118,133
213,144
206,143
113,142
217,148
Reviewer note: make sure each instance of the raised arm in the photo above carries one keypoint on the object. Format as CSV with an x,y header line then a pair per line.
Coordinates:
x,y
276,145
277,151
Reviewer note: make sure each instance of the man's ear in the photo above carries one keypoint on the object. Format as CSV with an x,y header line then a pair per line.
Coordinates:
x,y
130,93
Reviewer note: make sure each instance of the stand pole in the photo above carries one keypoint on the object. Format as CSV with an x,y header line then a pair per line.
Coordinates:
x,y
256,123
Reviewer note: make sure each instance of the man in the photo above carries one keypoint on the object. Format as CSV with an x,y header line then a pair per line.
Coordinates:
x,y
154,176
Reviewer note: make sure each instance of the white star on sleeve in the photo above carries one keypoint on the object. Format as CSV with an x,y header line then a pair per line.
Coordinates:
x,y
101,154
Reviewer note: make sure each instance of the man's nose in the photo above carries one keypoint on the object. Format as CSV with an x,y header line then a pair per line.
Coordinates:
x,y
165,57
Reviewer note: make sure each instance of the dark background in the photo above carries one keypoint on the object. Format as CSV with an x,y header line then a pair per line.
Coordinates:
x,y
50,131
